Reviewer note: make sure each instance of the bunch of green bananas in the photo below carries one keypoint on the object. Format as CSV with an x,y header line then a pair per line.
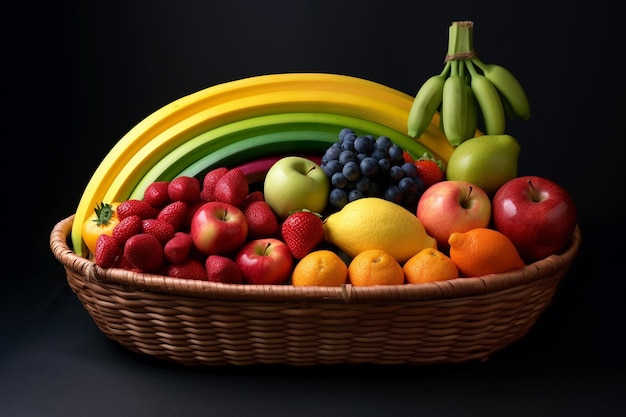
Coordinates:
x,y
465,87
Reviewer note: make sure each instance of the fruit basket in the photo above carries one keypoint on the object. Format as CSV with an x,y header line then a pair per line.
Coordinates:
x,y
194,322
202,323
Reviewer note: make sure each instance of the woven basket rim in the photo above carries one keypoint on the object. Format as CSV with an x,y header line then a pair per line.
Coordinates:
x,y
553,266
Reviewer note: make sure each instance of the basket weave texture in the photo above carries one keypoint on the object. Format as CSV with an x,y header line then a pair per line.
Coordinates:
x,y
202,323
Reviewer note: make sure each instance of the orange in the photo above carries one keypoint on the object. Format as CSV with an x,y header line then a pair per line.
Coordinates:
x,y
321,267
483,251
375,267
429,265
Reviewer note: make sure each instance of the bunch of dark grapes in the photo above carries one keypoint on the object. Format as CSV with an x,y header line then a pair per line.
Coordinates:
x,y
368,166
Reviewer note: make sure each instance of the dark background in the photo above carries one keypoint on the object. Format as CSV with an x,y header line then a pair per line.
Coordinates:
x,y
77,76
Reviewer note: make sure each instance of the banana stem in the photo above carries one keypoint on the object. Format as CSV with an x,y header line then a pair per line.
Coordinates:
x,y
460,40
470,67
446,69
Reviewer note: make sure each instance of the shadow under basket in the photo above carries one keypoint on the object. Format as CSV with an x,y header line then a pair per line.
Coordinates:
x,y
203,323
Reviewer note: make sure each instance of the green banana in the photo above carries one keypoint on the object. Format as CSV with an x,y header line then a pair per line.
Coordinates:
x,y
508,86
488,100
472,113
454,107
300,127
426,102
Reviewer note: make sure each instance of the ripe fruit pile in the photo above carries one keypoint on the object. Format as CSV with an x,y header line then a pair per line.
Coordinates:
x,y
220,229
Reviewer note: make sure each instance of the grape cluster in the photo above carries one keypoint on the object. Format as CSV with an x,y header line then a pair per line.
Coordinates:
x,y
368,166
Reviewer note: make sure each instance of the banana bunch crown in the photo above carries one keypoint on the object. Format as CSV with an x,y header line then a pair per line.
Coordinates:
x,y
467,89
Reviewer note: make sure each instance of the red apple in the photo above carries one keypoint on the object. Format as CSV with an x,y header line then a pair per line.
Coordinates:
x,y
453,206
537,214
218,228
265,261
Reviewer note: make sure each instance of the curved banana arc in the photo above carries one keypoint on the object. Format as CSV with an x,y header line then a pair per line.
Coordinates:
x,y
319,124
268,144
184,118
259,147
270,103
281,144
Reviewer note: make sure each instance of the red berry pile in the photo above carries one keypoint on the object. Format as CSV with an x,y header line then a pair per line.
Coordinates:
x,y
154,234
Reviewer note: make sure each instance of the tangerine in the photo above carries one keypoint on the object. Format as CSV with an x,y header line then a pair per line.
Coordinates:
x,y
375,267
321,267
483,251
429,265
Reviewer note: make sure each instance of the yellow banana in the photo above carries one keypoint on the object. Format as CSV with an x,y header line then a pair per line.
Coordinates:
x,y
508,86
426,102
489,102
454,107
158,134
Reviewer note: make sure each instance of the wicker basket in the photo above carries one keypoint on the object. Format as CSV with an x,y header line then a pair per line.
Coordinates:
x,y
202,323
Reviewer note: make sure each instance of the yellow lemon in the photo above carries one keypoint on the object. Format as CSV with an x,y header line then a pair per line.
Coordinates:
x,y
376,223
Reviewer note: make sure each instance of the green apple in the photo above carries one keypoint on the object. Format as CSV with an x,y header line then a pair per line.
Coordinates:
x,y
294,183
486,161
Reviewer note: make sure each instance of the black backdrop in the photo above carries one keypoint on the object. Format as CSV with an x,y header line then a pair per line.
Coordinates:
x,y
77,77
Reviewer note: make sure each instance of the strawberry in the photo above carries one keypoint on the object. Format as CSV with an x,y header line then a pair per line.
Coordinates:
x,y
302,231
174,213
156,194
188,269
126,228
160,229
178,248
144,252
108,251
223,269
184,188
262,221
139,207
208,183
255,195
232,187
429,170
407,157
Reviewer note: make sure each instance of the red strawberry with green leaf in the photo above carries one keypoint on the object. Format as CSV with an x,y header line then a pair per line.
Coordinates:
x,y
108,251
188,269
144,252
429,170
302,231
156,194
